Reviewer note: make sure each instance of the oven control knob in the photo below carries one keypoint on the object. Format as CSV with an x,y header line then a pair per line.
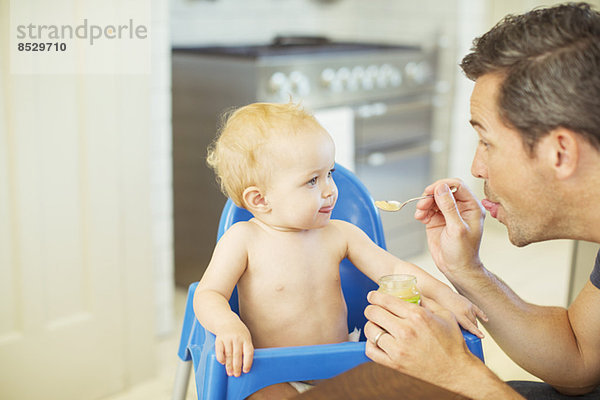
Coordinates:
x,y
327,77
389,75
419,72
357,75
278,83
299,83
395,77
352,84
372,70
342,75
358,72
329,80
303,88
367,83
370,77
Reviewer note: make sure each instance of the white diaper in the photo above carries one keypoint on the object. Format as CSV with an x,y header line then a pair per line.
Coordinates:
x,y
303,386
354,336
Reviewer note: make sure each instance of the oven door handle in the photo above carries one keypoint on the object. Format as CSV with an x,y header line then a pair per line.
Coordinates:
x,y
378,158
378,109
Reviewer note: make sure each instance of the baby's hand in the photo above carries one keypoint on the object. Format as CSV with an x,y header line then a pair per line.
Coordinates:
x,y
466,313
234,349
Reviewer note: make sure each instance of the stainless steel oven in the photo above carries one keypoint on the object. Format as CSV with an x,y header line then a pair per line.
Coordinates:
x,y
393,159
376,101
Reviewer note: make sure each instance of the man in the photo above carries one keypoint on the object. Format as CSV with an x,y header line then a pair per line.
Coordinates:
x,y
536,109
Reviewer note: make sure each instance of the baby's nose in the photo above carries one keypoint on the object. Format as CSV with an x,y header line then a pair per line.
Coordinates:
x,y
329,189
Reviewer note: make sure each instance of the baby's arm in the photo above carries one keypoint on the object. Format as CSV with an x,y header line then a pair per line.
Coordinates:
x,y
233,343
375,262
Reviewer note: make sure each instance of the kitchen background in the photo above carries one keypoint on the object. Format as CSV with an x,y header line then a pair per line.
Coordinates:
x,y
89,307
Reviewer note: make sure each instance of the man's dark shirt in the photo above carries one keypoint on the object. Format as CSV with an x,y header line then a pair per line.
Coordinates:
x,y
595,276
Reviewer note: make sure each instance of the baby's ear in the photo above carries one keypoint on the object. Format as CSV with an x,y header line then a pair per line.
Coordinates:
x,y
254,200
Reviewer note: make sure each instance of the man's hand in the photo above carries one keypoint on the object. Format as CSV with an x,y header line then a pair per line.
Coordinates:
x,y
454,225
425,342
234,349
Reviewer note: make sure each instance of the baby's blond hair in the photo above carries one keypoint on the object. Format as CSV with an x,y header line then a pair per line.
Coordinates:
x,y
238,153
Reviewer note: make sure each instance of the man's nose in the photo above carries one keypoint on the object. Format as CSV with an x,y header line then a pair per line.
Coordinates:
x,y
478,166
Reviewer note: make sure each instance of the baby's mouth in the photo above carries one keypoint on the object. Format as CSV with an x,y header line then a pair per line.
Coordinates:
x,y
326,210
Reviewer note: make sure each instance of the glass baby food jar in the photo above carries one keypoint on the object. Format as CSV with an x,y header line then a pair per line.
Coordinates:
x,y
403,286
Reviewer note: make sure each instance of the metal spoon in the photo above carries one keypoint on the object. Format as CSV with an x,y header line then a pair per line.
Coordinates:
x,y
393,205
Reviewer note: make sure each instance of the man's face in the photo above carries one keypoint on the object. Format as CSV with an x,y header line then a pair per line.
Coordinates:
x,y
518,187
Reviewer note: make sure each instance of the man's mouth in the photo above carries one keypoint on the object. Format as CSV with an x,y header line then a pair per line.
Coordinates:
x,y
491,207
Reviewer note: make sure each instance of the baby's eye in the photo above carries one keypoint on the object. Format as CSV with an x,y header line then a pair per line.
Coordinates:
x,y
330,172
313,181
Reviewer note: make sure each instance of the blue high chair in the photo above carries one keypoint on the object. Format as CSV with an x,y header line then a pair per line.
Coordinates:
x,y
284,364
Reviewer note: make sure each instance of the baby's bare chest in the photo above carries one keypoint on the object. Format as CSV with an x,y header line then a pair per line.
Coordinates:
x,y
294,265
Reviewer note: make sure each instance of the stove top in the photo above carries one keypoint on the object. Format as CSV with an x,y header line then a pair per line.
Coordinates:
x,y
292,45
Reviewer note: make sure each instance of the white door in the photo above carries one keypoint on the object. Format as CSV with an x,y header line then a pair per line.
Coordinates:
x,y
339,122
76,289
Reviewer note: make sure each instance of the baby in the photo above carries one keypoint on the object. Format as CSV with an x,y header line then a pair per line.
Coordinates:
x,y
275,160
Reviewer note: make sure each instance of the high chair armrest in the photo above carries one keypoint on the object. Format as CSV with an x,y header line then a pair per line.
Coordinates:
x,y
274,365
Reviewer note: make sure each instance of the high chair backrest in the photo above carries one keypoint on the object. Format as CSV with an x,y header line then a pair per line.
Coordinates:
x,y
354,205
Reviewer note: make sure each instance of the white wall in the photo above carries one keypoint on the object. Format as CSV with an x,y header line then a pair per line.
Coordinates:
x,y
453,24
475,18
425,22
77,261
234,21
161,162
472,15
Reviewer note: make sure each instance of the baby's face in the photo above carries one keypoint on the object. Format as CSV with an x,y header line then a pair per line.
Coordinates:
x,y
301,191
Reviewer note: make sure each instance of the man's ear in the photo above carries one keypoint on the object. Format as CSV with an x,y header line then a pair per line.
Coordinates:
x,y
255,201
562,148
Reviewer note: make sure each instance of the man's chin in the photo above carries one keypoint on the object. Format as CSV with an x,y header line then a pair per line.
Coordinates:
x,y
521,239
519,242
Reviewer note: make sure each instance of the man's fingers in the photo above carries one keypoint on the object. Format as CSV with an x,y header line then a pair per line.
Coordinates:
x,y
424,205
379,356
437,309
431,304
391,303
371,331
447,205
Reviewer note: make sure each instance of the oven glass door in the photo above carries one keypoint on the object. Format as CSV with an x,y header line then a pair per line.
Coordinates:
x,y
394,123
398,174
393,160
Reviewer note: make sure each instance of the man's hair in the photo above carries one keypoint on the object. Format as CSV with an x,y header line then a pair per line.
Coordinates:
x,y
240,156
550,63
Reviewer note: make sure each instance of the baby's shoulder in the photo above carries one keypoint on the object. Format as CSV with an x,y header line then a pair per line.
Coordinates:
x,y
240,230
347,231
342,230
342,226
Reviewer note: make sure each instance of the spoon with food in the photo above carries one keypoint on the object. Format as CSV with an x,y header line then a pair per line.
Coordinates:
x,y
393,205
